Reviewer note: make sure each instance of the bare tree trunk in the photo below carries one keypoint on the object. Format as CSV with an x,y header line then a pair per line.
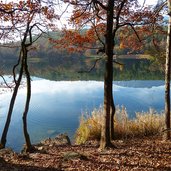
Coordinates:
x,y
167,76
105,132
28,147
10,110
112,113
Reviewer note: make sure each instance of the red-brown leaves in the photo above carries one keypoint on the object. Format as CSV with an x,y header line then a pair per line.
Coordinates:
x,y
137,23
14,16
74,41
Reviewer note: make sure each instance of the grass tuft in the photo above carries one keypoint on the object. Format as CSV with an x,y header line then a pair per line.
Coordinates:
x,y
90,126
144,124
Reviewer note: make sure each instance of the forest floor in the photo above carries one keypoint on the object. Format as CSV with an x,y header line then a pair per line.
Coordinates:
x,y
143,154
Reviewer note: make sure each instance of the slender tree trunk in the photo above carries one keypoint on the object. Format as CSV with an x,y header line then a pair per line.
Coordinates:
x,y
167,75
108,78
112,113
12,102
112,105
28,147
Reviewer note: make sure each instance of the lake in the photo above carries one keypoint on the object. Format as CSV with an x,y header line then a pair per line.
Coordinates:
x,y
56,106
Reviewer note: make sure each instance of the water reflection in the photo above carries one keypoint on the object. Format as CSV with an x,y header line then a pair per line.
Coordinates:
x,y
57,105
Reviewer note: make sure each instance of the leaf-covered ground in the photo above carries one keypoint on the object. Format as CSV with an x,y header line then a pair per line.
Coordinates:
x,y
131,154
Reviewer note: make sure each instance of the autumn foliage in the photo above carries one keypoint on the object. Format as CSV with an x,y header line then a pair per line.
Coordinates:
x,y
16,15
75,40
136,24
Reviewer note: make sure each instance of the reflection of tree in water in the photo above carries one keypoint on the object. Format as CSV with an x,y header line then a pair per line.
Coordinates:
x,y
68,68
133,69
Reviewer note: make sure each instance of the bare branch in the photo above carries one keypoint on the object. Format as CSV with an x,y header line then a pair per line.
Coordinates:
x,y
64,11
5,81
143,3
100,4
80,13
132,26
15,66
116,62
119,12
94,65
97,34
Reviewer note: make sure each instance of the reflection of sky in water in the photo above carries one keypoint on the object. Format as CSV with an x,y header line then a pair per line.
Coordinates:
x,y
56,106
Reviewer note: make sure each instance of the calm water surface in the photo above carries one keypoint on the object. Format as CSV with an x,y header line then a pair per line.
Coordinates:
x,y
56,106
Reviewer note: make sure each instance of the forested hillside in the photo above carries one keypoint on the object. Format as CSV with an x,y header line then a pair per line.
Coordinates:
x,y
47,61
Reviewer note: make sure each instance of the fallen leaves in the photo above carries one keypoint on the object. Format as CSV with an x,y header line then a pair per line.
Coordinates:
x,y
133,154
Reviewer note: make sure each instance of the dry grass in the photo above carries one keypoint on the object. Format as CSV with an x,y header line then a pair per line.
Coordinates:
x,y
144,124
90,126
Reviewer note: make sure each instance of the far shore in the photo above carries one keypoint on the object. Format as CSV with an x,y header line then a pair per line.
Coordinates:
x,y
133,56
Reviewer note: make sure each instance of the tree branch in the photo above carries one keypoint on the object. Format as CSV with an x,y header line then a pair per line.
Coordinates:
x,y
116,62
119,12
15,66
5,81
132,26
94,65
100,4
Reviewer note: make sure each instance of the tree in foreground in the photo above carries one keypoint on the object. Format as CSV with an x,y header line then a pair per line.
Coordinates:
x,y
160,50
100,21
25,18
167,75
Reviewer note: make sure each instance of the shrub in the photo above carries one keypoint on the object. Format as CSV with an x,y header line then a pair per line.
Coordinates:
x,y
144,124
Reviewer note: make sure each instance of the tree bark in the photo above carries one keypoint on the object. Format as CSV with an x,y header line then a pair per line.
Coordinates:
x,y
167,76
28,147
112,114
108,78
10,110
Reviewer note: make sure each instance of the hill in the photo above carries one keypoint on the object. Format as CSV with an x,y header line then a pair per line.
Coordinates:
x,y
57,64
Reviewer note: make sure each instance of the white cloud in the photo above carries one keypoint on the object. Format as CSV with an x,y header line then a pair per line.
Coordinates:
x,y
148,2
